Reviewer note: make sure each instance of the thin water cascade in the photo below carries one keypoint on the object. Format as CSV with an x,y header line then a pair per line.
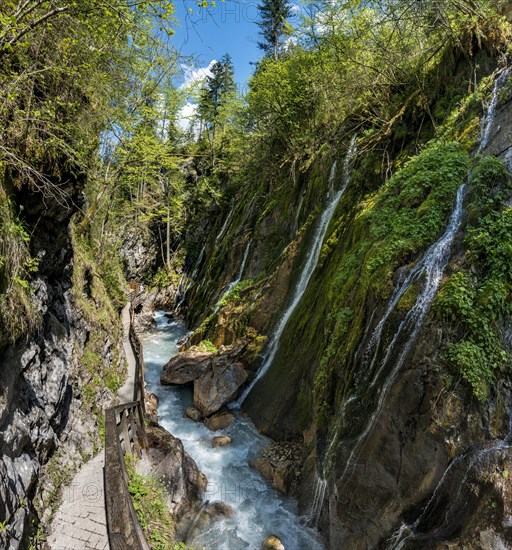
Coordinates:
x,y
226,222
432,265
313,515
397,540
182,290
372,349
430,268
197,265
240,272
299,210
490,115
332,177
307,271
407,531
259,509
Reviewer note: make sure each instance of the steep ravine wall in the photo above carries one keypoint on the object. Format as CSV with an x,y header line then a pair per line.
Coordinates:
x,y
53,382
431,433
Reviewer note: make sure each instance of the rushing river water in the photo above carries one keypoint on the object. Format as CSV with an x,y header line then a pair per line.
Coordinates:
x,y
260,510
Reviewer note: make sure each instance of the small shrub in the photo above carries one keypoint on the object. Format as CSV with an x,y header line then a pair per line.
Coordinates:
x,y
208,346
150,502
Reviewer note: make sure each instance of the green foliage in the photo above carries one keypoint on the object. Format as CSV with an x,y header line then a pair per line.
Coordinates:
x,y
235,295
150,502
490,183
18,315
480,295
273,25
473,363
456,298
165,277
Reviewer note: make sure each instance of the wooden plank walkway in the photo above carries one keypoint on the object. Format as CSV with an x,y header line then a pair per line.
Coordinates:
x,y
80,522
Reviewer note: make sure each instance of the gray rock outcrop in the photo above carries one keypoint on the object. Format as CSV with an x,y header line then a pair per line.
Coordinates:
x,y
186,367
217,387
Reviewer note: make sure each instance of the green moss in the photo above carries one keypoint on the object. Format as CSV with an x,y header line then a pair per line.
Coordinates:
x,y
411,210
408,300
206,345
236,293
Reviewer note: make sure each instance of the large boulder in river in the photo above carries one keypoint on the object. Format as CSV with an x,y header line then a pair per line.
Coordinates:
x,y
272,543
211,512
220,420
221,441
217,387
186,367
185,483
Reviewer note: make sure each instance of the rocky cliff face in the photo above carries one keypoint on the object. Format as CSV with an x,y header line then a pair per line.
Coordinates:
x,y
405,432
48,419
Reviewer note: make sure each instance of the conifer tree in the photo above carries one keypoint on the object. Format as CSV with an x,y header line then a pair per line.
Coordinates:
x,y
273,21
217,91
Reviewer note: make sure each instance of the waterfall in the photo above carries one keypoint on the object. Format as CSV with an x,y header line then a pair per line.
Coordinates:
x,y
299,210
307,271
313,515
429,271
197,265
232,284
431,268
407,531
488,121
372,349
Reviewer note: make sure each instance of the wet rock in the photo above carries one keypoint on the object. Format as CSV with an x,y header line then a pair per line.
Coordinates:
x,y
186,367
280,465
221,441
217,387
182,478
151,404
214,511
219,510
272,543
193,414
41,411
220,421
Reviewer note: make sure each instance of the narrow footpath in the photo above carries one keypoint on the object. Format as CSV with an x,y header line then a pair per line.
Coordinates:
x,y
80,522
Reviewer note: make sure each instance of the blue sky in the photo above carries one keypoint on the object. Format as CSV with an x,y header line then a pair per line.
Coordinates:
x,y
205,35
230,27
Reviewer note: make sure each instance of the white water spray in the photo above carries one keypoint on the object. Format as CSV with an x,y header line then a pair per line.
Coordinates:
x,y
307,272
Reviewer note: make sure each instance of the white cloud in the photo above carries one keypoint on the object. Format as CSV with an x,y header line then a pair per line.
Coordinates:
x,y
195,75
186,115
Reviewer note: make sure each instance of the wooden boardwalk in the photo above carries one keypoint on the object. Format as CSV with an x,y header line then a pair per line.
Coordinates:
x,y
80,522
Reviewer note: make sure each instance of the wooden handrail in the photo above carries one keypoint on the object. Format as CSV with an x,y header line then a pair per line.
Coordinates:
x,y
138,386
125,433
